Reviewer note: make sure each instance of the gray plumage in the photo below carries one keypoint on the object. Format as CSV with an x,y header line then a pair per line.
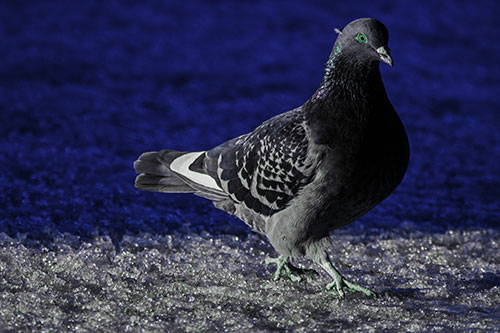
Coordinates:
x,y
306,172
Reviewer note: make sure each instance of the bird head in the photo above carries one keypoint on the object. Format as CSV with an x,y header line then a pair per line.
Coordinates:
x,y
365,40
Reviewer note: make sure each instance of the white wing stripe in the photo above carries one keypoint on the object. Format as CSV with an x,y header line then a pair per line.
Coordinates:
x,y
181,166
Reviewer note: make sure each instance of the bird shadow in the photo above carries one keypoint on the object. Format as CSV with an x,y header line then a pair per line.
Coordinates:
x,y
401,293
486,281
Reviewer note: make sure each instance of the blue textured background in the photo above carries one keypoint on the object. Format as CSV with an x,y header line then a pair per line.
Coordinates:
x,y
86,86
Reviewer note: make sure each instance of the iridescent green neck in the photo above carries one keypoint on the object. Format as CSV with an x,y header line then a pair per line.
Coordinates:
x,y
329,72
330,64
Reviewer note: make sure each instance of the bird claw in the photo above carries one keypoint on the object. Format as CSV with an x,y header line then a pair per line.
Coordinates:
x,y
341,283
291,271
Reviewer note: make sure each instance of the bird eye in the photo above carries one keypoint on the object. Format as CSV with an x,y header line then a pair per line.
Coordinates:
x,y
361,38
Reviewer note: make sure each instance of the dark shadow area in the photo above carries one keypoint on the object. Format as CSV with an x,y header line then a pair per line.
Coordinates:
x,y
402,293
487,281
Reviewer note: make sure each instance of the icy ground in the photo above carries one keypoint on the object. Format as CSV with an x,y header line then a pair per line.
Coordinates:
x,y
194,282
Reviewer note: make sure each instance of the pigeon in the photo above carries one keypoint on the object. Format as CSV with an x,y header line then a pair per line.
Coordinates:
x,y
306,172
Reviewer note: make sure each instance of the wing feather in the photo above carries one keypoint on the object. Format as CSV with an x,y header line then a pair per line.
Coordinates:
x,y
265,169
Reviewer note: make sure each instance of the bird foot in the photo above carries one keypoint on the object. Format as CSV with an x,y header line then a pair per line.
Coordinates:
x,y
339,283
291,271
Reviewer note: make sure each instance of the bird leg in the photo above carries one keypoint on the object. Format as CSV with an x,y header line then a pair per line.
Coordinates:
x,y
283,264
339,282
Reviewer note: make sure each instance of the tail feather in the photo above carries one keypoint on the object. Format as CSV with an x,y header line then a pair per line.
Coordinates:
x,y
161,184
156,163
155,174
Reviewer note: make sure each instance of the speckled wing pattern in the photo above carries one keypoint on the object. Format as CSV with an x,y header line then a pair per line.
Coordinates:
x,y
265,169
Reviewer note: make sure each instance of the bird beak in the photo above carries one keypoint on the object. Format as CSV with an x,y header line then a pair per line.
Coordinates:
x,y
385,55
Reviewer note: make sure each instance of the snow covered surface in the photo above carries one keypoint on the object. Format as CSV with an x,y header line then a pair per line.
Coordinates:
x,y
197,282
87,86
